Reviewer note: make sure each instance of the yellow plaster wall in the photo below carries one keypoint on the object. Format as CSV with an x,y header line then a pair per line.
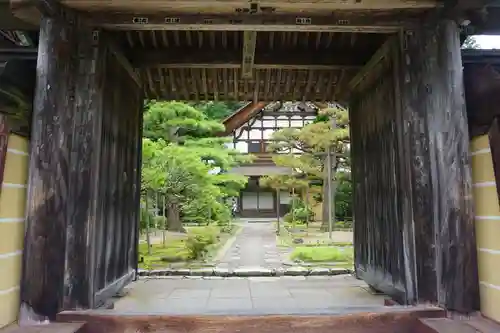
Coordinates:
x,y
487,220
12,211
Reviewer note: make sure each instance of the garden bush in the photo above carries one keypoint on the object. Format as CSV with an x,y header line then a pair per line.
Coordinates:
x,y
206,212
227,229
160,222
339,225
300,215
145,216
288,218
343,224
197,245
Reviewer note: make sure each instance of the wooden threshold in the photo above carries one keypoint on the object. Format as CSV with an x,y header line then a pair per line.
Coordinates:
x,y
390,320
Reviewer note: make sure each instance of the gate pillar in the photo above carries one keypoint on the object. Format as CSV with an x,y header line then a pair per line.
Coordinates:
x,y
435,127
58,259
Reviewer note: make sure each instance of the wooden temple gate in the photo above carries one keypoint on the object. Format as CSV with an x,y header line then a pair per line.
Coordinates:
x,y
397,64
84,171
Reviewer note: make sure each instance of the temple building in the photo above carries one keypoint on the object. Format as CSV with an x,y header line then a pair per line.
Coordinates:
x,y
251,129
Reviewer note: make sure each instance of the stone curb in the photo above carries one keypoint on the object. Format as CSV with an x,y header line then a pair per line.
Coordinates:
x,y
246,272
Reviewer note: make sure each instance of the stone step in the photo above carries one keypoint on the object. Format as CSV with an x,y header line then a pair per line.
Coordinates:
x,y
444,325
475,324
247,272
483,325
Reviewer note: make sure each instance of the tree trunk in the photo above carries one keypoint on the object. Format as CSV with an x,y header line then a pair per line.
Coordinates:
x,y
174,216
164,227
148,236
306,196
324,208
278,201
324,223
334,192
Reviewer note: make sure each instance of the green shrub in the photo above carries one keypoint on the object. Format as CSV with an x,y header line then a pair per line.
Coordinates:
x,y
288,218
299,215
160,222
197,245
145,216
227,229
302,214
348,223
339,225
343,224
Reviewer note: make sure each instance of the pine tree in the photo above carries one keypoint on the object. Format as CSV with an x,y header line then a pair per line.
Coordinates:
x,y
329,132
183,161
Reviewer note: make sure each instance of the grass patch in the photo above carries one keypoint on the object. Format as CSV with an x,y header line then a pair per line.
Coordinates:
x,y
323,254
328,243
198,245
311,236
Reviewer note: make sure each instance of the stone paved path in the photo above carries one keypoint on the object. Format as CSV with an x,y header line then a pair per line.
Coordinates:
x,y
255,246
249,296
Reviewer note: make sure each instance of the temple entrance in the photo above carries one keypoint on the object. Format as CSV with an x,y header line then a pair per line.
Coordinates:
x,y
400,79
257,203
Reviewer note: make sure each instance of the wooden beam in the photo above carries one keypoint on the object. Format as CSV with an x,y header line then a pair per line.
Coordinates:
x,y
249,41
241,116
246,6
23,53
31,11
478,56
277,58
9,21
118,53
485,21
381,53
386,22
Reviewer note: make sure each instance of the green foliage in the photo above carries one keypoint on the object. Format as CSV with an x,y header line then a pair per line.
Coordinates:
x,y
160,222
145,217
302,214
323,254
343,196
312,141
217,110
329,132
347,224
176,121
183,160
283,182
197,245
299,214
316,137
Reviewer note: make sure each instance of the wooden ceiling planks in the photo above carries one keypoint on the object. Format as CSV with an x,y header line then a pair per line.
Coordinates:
x,y
206,84
186,65
241,50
